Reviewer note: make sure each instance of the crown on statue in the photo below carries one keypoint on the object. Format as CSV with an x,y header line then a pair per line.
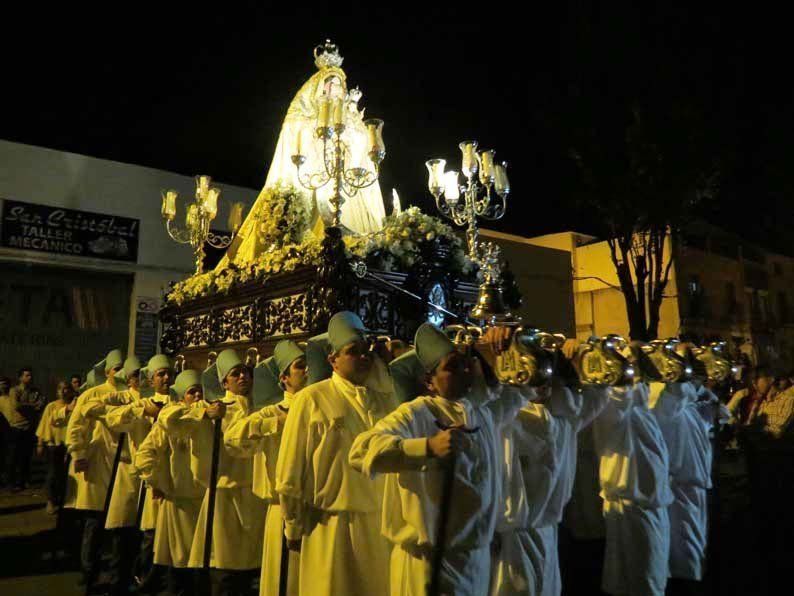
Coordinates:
x,y
327,55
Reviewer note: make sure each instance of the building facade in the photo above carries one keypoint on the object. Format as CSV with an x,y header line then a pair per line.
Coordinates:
x,y
720,287
543,275
84,258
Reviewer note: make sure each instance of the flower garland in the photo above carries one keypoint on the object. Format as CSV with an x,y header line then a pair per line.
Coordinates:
x,y
405,239
283,215
278,260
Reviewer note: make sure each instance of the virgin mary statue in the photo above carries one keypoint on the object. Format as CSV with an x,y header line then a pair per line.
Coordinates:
x,y
364,211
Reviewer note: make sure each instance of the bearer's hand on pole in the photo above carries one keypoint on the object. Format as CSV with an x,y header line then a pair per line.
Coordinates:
x,y
157,495
81,465
216,410
570,348
151,409
447,442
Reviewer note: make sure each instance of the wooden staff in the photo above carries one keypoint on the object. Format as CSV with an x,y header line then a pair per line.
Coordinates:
x,y
109,494
216,447
434,588
284,567
141,504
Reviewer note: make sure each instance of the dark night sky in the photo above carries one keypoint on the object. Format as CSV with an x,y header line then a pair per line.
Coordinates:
x,y
203,92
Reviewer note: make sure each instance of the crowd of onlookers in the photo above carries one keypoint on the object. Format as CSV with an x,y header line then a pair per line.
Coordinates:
x,y
27,427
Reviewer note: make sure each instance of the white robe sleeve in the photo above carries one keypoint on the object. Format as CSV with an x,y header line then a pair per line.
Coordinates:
x,y
594,399
243,437
293,466
122,418
392,445
152,455
510,400
78,431
182,421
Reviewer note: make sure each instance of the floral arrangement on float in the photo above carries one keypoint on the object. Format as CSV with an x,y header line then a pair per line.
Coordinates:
x,y
283,219
406,239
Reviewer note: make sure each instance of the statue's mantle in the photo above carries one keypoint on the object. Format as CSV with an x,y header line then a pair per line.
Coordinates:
x,y
296,305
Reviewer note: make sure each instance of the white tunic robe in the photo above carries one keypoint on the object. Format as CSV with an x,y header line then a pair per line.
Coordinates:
x,y
259,435
635,486
123,413
412,499
239,515
548,475
685,423
90,439
333,508
163,462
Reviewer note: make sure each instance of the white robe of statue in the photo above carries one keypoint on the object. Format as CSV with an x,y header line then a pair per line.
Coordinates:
x,y
363,212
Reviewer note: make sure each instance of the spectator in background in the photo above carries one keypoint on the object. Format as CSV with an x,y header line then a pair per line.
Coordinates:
x,y
76,381
51,434
5,432
745,402
21,407
783,382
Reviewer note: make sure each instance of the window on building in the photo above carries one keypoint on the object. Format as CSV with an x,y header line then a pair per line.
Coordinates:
x,y
782,308
730,299
763,305
695,297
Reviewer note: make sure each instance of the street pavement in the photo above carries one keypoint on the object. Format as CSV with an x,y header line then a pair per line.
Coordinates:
x,y
32,562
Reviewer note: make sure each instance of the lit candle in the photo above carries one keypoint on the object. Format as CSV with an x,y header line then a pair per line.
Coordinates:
x,y
377,148
235,216
435,175
202,186
468,164
395,202
486,167
323,115
169,204
211,202
451,188
339,112
501,181
298,143
191,216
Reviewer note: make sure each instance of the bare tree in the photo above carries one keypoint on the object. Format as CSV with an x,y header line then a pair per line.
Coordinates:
x,y
641,188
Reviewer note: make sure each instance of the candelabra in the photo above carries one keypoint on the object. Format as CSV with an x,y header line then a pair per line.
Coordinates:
x,y
333,117
198,217
483,176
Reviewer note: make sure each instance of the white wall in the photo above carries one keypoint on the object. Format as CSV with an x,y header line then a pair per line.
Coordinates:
x,y
59,179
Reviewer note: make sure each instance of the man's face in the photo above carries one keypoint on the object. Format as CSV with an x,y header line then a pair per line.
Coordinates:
x,y
763,384
75,383
353,362
193,395
452,378
25,378
295,378
111,374
161,380
134,380
238,381
67,393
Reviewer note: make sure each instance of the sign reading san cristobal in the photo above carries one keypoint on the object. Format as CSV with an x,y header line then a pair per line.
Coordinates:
x,y
27,226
